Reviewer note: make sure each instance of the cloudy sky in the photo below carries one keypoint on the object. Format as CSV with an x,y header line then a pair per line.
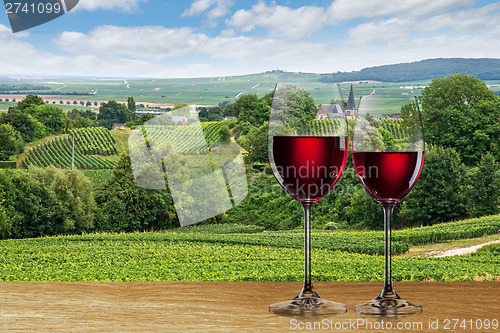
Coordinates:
x,y
158,38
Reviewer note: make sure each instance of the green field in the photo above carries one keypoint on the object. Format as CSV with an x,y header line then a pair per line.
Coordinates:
x,y
237,253
212,91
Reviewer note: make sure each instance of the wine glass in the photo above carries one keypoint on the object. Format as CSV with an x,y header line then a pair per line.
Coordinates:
x,y
307,157
388,159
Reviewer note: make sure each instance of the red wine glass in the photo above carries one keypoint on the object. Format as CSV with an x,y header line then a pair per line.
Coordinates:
x,y
307,157
388,156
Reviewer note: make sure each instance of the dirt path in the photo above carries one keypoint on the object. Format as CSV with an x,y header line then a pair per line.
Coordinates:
x,y
233,136
464,250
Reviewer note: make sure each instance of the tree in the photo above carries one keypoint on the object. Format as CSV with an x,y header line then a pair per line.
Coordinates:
x,y
11,142
244,103
81,122
483,192
71,193
131,104
296,106
123,206
257,113
113,112
228,110
52,117
461,112
29,127
212,114
28,101
47,202
225,133
438,195
256,144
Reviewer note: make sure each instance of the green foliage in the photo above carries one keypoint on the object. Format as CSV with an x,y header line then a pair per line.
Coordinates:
x,y
224,133
255,142
438,195
364,211
113,112
29,128
461,112
443,232
11,142
244,104
53,118
493,248
131,104
123,206
28,101
212,114
293,107
6,218
483,192
46,202
98,177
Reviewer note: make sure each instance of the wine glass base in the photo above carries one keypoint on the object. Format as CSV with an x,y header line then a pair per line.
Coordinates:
x,y
391,305
307,304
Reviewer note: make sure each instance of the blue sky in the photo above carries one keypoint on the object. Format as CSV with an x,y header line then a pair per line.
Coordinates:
x,y
166,39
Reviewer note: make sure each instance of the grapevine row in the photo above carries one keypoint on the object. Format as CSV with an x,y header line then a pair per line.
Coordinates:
x,y
95,141
58,153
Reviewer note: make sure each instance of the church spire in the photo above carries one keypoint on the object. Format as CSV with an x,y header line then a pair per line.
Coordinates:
x,y
351,104
351,109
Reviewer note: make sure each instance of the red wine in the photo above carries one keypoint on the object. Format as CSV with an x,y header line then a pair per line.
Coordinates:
x,y
307,167
388,176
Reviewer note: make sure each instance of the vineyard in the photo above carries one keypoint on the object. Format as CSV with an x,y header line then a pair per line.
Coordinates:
x,y
88,142
324,126
184,138
234,253
95,141
393,126
330,126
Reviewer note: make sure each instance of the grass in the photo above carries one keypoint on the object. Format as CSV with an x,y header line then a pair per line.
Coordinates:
x,y
121,137
432,249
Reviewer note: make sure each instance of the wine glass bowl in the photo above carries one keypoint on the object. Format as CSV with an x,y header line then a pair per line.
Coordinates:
x,y
306,160
388,164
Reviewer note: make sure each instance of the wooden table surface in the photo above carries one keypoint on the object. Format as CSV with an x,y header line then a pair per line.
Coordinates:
x,y
235,307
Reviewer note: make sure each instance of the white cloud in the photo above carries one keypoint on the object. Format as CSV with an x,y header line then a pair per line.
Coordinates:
x,y
377,31
148,42
124,5
465,21
213,9
280,21
156,43
344,10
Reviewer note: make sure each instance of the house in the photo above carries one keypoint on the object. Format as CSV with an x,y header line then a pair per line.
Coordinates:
x,y
333,111
329,111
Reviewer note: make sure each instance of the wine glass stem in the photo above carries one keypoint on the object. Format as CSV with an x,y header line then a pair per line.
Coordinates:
x,y
388,209
307,246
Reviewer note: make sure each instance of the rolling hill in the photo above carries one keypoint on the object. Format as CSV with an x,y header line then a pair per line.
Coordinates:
x,y
484,69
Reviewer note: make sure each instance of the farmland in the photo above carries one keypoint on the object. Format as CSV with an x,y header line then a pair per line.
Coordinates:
x,y
234,253
88,142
